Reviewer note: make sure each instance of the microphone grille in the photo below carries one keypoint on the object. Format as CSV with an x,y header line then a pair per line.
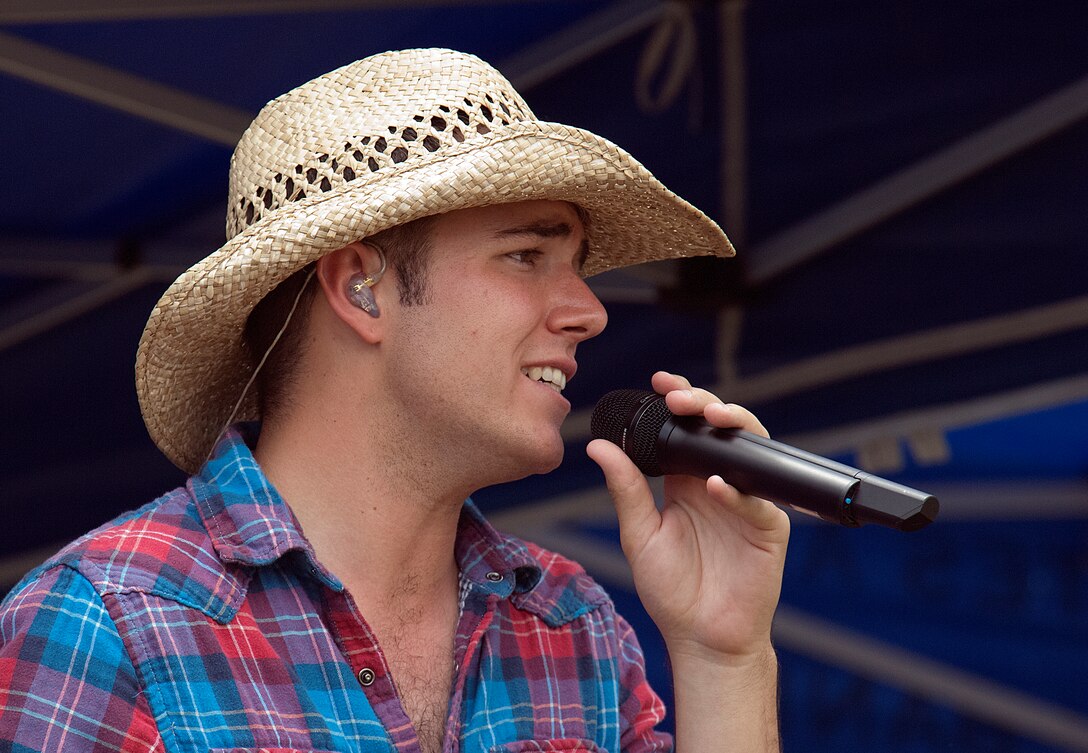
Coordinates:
x,y
632,419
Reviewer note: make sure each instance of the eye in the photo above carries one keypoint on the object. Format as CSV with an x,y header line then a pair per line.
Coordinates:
x,y
526,258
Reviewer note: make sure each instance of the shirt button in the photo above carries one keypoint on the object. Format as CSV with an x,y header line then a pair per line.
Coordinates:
x,y
493,576
366,677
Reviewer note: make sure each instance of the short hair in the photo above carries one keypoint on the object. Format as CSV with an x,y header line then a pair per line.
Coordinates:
x,y
407,248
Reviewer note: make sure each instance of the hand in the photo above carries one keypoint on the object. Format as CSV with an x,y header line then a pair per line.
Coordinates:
x,y
708,566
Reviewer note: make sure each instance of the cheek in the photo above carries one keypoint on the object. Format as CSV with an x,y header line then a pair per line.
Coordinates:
x,y
494,318
487,318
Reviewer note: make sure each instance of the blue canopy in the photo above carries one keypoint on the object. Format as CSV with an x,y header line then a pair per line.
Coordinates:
x,y
906,185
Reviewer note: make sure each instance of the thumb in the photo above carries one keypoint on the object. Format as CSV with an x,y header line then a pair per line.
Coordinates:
x,y
631,495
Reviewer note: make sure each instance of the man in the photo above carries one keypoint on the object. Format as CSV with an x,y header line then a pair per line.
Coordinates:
x,y
405,267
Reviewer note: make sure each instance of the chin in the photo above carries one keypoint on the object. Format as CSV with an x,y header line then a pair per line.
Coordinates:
x,y
543,458
509,456
551,464
542,461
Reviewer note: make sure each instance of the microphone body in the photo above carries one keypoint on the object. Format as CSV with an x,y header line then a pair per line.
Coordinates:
x,y
660,442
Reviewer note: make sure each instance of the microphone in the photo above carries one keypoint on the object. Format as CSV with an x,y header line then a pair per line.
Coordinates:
x,y
660,442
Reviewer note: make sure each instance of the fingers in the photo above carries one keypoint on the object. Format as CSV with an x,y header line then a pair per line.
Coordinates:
x,y
732,416
758,513
665,382
631,495
685,400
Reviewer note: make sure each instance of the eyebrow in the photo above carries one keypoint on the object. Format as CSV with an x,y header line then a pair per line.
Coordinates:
x,y
547,229
541,229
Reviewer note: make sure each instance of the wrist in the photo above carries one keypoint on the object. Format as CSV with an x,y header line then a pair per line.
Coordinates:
x,y
691,655
726,701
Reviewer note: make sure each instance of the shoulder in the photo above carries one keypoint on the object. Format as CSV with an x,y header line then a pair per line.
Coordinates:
x,y
163,549
54,626
53,609
65,674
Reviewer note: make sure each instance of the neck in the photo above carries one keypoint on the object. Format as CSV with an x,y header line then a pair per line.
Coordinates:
x,y
376,517
378,498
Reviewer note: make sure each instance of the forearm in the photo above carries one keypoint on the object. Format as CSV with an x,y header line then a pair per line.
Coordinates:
x,y
726,705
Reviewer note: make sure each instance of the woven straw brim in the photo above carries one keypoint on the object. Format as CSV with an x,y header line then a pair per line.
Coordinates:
x,y
191,366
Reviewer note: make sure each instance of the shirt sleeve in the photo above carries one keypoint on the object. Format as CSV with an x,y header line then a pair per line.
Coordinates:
x,y
66,680
641,709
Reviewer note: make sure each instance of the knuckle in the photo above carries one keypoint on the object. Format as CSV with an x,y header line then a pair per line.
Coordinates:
x,y
706,395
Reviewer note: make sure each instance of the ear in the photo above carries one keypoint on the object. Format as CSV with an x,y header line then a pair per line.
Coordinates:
x,y
334,273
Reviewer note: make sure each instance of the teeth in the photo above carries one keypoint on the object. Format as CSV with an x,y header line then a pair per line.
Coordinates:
x,y
547,374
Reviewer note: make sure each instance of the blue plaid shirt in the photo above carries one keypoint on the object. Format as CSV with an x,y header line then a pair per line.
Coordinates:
x,y
203,621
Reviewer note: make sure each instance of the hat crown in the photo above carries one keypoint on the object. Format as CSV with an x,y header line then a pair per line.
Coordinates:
x,y
373,116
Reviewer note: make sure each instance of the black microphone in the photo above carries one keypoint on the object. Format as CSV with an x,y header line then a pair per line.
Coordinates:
x,y
660,442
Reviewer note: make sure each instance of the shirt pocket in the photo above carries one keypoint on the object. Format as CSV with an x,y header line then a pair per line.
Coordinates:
x,y
561,745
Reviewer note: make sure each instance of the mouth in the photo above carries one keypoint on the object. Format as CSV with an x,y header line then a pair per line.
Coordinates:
x,y
548,375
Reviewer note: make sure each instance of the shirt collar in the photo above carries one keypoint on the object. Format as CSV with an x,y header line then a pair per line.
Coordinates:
x,y
251,524
546,584
489,559
247,519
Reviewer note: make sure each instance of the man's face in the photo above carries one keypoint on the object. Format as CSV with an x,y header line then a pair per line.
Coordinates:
x,y
479,367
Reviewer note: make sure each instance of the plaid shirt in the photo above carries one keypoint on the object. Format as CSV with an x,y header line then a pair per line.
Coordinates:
x,y
203,621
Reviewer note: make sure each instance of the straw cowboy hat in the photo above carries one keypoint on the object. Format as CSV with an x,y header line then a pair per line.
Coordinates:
x,y
377,143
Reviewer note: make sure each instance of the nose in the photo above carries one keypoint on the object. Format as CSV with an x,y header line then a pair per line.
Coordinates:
x,y
576,310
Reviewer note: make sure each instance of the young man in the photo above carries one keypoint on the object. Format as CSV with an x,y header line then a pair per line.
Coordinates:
x,y
406,260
